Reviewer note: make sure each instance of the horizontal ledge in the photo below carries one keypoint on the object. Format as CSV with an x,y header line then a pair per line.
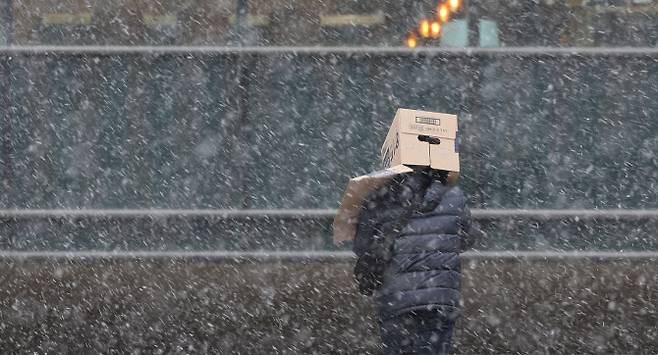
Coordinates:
x,y
167,213
365,50
314,255
557,214
537,214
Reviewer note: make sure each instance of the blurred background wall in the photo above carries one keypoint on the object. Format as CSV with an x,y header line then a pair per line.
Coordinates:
x,y
273,105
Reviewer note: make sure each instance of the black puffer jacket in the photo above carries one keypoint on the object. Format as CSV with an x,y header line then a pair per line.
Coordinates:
x,y
408,241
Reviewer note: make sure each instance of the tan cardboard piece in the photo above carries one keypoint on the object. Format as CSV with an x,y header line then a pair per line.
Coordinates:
x,y
416,138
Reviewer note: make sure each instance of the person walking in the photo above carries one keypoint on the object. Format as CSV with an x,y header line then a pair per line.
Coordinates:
x,y
409,237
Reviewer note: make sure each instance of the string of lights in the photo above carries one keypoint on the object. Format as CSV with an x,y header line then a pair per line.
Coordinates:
x,y
431,28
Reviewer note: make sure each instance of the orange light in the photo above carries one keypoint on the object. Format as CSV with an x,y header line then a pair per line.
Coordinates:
x,y
411,40
443,12
424,28
435,29
454,5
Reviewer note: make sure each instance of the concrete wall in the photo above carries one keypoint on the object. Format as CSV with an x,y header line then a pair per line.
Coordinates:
x,y
197,305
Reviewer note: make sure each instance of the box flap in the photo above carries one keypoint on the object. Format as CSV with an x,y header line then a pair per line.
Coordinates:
x,y
444,156
356,192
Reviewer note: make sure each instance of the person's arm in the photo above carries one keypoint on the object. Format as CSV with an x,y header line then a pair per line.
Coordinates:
x,y
384,213
378,225
367,270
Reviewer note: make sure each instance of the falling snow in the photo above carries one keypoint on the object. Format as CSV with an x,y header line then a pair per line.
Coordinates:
x,y
178,199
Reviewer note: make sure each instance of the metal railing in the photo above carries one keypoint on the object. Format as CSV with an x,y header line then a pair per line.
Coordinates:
x,y
365,50
337,256
534,214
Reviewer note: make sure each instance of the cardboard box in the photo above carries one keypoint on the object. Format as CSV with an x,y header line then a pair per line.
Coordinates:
x,y
416,138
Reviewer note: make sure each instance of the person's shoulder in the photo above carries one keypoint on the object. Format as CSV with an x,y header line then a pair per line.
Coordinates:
x,y
454,195
455,190
380,197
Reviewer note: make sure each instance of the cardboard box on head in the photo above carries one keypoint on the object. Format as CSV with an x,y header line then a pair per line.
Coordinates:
x,y
416,138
